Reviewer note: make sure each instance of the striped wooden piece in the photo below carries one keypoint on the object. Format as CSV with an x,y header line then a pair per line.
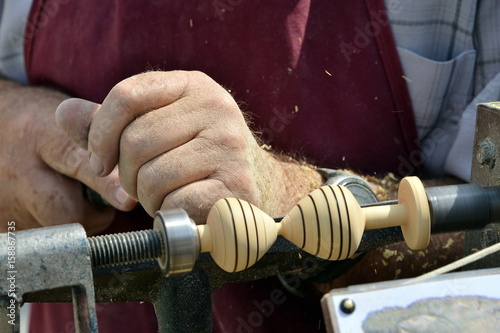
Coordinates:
x,y
328,223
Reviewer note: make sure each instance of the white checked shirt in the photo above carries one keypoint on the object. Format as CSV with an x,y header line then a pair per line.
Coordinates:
x,y
450,53
449,50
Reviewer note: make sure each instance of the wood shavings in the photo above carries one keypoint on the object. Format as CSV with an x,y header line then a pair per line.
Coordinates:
x,y
448,244
389,253
266,147
386,188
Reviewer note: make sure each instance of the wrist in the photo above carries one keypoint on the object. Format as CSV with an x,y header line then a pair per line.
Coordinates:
x,y
287,182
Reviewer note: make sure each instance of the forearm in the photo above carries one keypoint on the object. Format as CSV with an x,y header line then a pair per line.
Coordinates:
x,y
15,98
42,170
22,109
291,181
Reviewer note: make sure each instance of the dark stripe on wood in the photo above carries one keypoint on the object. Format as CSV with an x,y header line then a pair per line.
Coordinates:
x,y
235,237
317,224
340,224
348,224
303,225
256,233
246,228
331,222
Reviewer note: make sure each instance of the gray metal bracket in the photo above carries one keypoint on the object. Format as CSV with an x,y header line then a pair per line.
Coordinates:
x,y
46,259
485,171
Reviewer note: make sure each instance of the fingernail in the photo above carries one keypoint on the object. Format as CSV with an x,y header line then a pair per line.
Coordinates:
x,y
82,153
96,164
121,196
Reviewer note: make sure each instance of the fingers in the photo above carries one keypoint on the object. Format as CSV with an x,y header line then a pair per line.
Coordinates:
x,y
125,102
197,198
168,132
65,157
58,200
172,170
153,134
74,116
176,151
192,164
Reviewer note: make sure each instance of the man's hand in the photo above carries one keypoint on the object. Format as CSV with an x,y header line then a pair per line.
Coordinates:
x,y
42,171
180,140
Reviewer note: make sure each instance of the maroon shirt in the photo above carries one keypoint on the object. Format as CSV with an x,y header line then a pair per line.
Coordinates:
x,y
321,79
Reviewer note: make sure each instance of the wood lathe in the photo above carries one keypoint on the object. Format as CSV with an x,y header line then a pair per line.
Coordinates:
x,y
328,223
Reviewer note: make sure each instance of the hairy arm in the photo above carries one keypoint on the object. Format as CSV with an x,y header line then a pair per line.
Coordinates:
x,y
41,170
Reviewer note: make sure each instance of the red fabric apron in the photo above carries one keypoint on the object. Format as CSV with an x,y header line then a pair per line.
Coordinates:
x,y
322,80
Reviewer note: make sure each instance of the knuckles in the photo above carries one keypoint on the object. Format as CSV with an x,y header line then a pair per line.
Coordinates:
x,y
71,158
133,141
214,98
150,189
225,132
223,105
125,95
129,93
233,141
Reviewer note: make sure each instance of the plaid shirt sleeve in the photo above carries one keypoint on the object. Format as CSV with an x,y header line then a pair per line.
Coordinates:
x,y
13,16
486,85
449,50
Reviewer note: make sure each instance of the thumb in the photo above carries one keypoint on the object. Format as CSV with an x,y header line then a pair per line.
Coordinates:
x,y
66,158
74,116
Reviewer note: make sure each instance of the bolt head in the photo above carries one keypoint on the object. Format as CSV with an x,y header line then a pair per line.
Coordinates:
x,y
485,153
488,237
347,306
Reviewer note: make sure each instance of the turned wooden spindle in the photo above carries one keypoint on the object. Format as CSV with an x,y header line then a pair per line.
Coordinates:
x,y
328,223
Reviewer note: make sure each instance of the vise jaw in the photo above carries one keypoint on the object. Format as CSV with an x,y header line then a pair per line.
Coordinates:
x,y
46,259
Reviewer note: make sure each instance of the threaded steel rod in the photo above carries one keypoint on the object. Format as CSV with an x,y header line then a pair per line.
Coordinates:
x,y
130,247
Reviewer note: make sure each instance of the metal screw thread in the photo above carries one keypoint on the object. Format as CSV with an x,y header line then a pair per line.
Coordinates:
x,y
130,247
